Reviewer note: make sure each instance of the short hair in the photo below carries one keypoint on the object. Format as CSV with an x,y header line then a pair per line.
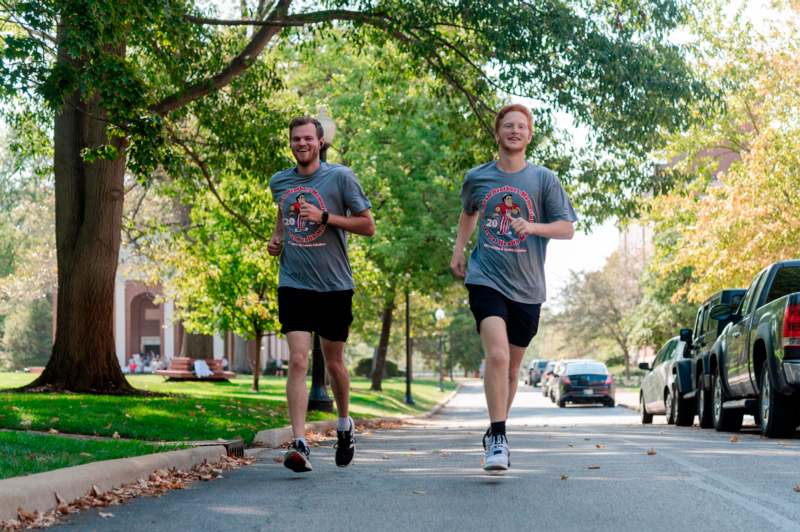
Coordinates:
x,y
303,120
518,107
507,196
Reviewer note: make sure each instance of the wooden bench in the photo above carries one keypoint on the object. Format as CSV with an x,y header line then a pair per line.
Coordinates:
x,y
182,369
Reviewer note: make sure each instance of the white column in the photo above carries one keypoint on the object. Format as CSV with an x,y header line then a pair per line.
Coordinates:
x,y
168,350
219,347
119,319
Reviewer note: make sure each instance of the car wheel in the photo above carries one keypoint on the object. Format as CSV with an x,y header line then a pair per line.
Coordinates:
x,y
646,418
669,407
683,411
725,420
610,404
704,406
776,418
562,403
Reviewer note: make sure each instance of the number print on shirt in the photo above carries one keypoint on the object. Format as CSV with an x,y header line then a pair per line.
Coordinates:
x,y
499,207
301,231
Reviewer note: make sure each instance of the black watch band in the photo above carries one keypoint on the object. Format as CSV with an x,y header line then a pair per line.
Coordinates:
x,y
324,217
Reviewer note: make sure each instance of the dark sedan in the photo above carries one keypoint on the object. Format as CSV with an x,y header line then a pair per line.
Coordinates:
x,y
584,382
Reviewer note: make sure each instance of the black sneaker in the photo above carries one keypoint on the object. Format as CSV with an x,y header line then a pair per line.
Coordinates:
x,y
345,445
296,457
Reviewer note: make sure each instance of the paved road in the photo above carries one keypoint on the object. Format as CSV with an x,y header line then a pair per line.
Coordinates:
x,y
427,477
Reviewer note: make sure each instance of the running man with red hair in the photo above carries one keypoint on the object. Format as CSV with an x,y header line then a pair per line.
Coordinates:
x,y
505,275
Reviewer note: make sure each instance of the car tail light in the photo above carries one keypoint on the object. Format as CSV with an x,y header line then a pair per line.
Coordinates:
x,y
791,325
565,380
609,381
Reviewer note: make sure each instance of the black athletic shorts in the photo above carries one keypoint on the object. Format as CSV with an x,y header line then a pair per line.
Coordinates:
x,y
327,313
522,319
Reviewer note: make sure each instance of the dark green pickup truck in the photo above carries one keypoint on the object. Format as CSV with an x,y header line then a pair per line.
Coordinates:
x,y
755,361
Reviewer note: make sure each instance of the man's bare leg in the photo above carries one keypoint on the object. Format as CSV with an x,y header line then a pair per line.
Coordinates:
x,y
296,389
340,379
517,353
495,380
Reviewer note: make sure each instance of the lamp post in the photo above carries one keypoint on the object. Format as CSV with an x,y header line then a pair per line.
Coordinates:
x,y
318,398
409,399
439,315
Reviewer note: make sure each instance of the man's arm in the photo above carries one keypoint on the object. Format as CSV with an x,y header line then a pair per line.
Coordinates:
x,y
466,225
360,223
558,230
276,240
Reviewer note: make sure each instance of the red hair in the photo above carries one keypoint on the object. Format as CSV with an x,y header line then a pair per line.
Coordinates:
x,y
518,107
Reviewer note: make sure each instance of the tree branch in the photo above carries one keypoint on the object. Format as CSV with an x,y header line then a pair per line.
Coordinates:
x,y
239,64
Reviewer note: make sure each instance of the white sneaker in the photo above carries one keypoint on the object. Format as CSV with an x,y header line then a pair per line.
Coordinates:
x,y
497,455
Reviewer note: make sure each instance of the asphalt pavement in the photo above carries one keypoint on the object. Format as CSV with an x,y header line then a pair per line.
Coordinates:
x,y
581,468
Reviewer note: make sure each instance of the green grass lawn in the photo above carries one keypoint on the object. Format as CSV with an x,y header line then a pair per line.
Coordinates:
x,y
192,410
23,453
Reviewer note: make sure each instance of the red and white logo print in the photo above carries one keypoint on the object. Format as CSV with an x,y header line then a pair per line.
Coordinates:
x,y
300,230
499,207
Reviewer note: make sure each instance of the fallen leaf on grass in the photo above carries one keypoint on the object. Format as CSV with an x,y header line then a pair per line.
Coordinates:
x,y
53,431
651,452
116,435
734,438
564,477
54,420
594,467
86,455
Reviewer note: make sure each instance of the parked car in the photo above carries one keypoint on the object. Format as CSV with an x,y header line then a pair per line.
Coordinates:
x,y
706,331
582,382
755,361
535,372
659,392
550,377
547,373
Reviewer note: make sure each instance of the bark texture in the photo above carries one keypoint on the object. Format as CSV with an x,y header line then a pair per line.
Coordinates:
x,y
383,344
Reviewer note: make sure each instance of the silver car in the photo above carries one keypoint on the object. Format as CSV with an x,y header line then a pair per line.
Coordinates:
x,y
659,391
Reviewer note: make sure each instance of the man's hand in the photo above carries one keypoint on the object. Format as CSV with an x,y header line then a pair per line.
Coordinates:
x,y
522,227
310,212
459,264
275,245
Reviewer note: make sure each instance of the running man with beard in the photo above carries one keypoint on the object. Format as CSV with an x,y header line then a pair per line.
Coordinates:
x,y
505,275
315,288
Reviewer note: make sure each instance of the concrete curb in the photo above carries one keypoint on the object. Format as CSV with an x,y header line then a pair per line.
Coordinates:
x,y
276,437
37,492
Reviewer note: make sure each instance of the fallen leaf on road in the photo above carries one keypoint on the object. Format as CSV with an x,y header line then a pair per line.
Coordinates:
x,y
277,459
105,515
797,488
564,477
444,455
570,445
600,446
385,457
594,467
420,492
96,491
651,452
587,439
59,499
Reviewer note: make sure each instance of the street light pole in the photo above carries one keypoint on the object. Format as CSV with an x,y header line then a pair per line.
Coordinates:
x,y
409,399
439,315
318,398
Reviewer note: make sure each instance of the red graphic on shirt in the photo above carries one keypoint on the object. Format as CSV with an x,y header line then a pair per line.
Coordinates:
x,y
499,207
300,230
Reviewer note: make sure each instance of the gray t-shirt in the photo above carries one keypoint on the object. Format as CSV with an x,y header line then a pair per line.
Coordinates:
x,y
502,260
315,255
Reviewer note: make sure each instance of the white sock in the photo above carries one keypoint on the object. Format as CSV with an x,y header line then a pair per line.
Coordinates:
x,y
343,424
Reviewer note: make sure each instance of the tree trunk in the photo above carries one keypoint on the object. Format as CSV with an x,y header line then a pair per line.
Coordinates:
x,y
383,344
89,199
257,368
